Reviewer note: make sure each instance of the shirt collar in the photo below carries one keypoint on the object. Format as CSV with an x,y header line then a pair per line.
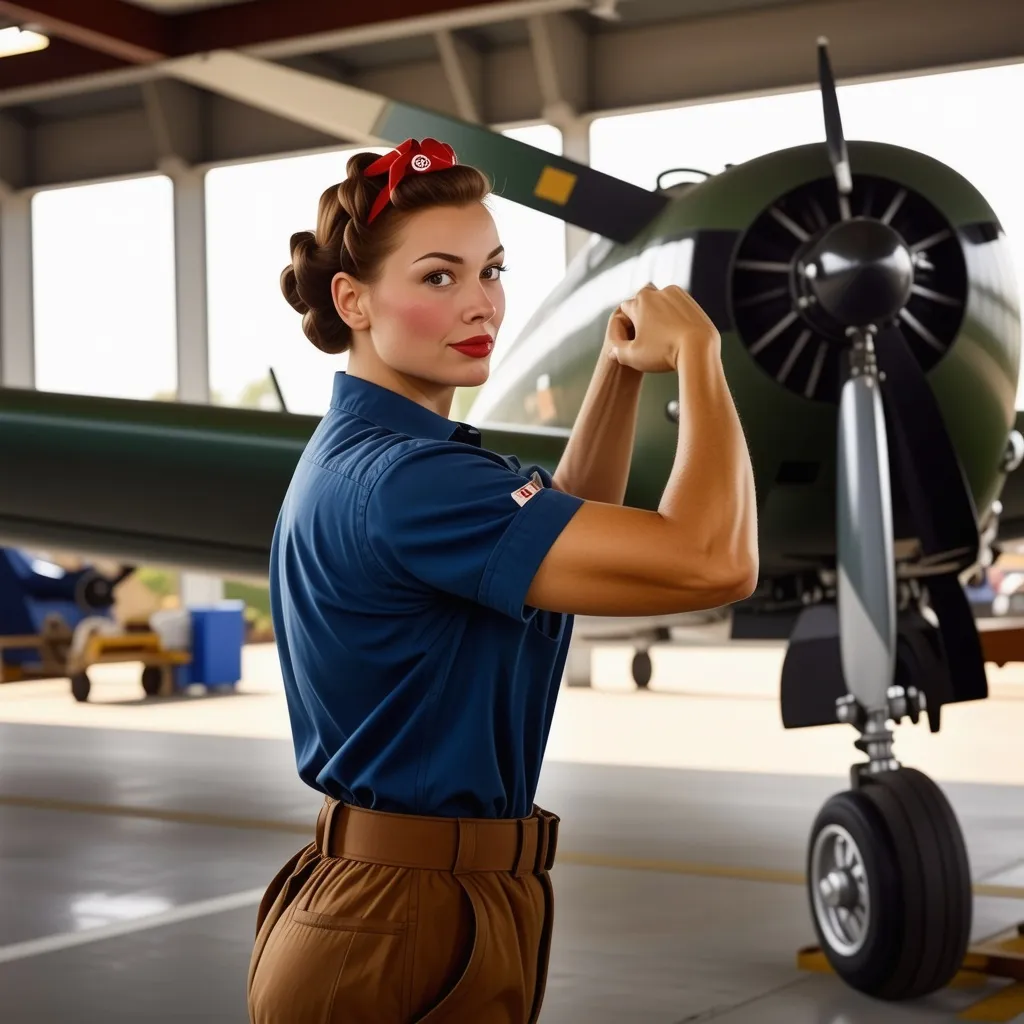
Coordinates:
x,y
395,412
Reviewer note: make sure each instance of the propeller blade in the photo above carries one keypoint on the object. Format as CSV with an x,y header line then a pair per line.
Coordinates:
x,y
834,129
937,491
866,586
532,177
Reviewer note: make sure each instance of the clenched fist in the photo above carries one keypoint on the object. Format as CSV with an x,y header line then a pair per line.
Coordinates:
x,y
651,331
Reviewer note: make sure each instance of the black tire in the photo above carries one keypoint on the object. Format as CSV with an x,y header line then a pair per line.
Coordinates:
x,y
642,669
152,677
926,830
80,687
917,877
867,966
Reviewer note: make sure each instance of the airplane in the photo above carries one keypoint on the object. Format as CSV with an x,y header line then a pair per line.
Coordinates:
x,y
870,333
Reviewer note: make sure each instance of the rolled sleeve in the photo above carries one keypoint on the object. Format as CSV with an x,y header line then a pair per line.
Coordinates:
x,y
446,517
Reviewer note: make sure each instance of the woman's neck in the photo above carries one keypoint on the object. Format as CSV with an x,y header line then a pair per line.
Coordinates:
x,y
365,363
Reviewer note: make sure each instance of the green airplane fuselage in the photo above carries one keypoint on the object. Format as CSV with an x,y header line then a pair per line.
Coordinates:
x,y
792,440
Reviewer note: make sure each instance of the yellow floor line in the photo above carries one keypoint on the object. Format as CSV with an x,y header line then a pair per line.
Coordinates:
x,y
1004,1005
735,872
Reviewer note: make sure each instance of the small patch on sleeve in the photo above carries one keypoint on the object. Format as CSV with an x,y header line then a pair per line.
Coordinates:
x,y
525,493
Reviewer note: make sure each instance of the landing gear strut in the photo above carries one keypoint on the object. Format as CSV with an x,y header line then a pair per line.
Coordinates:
x,y
888,875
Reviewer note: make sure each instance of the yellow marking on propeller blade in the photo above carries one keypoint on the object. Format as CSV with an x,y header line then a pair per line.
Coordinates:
x,y
555,185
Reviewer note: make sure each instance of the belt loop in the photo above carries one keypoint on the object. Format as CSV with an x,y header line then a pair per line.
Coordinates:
x,y
522,865
551,833
465,847
547,838
321,823
333,808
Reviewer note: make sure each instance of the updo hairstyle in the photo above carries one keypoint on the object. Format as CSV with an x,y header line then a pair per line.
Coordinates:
x,y
343,241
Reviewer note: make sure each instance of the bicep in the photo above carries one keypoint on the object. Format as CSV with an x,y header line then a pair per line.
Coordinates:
x,y
617,560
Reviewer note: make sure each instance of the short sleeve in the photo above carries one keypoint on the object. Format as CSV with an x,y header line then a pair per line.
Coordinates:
x,y
457,520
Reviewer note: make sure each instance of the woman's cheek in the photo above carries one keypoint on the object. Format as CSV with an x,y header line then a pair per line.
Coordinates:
x,y
425,321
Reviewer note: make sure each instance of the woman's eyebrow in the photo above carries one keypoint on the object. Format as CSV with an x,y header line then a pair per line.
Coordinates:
x,y
456,259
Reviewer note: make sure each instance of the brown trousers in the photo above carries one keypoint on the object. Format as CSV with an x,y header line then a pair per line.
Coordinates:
x,y
399,919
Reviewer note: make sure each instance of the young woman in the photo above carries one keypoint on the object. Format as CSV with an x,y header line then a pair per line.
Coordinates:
x,y
423,590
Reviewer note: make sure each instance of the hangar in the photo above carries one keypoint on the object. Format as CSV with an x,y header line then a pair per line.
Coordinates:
x,y
133,856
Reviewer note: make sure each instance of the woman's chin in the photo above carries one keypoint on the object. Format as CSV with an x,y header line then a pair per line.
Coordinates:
x,y
474,375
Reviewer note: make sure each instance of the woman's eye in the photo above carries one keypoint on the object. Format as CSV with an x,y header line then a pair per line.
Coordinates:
x,y
434,278
498,271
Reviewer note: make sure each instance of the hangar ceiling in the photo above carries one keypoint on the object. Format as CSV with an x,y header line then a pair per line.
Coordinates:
x,y
100,102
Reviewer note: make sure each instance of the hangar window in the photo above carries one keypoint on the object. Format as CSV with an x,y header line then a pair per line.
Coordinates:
x,y
103,274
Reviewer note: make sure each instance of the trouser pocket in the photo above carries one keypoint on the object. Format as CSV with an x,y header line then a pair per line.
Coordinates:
x,y
320,969
278,897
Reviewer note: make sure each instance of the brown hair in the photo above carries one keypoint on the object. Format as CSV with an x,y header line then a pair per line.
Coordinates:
x,y
343,241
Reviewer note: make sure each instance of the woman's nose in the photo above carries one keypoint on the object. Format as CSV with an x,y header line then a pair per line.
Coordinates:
x,y
481,309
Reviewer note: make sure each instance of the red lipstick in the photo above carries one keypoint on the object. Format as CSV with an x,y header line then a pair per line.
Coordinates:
x,y
477,347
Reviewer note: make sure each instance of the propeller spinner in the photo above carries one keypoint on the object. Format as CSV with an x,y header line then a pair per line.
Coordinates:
x,y
859,272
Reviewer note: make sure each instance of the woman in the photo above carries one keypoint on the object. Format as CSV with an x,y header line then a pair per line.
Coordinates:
x,y
422,591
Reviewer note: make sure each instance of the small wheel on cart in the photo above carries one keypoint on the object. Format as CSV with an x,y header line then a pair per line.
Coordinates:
x,y
890,886
80,687
152,677
642,669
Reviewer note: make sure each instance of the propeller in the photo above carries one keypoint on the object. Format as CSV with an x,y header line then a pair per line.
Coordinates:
x,y
834,130
857,277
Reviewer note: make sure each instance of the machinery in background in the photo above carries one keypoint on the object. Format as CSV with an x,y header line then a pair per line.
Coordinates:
x,y
57,622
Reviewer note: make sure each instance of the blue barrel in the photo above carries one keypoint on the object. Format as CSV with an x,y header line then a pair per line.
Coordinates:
x,y
218,633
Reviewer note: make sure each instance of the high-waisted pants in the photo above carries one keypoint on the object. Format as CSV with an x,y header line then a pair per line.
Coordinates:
x,y
399,919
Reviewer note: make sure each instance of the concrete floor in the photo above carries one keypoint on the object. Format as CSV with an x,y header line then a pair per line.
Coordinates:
x,y
132,859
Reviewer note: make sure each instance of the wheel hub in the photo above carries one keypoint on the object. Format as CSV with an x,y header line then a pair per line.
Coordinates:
x,y
839,889
842,902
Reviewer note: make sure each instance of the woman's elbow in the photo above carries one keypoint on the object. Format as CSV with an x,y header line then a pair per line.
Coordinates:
x,y
737,577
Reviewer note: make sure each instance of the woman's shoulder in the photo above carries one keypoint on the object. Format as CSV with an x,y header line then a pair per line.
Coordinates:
x,y
411,455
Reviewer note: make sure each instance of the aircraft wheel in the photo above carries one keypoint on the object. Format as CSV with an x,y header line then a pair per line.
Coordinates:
x,y
80,687
642,670
890,887
151,680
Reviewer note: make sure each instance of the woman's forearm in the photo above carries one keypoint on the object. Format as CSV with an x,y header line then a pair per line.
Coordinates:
x,y
596,460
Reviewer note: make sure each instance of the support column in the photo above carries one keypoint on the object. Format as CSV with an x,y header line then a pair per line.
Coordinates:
x,y
17,330
190,286
575,146
192,329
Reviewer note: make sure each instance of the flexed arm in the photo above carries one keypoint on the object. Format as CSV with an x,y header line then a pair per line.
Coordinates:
x,y
595,463
699,549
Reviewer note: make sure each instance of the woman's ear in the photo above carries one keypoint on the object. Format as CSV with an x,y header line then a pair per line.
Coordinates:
x,y
349,296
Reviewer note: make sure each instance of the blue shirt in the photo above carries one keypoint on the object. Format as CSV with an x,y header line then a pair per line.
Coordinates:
x,y
417,679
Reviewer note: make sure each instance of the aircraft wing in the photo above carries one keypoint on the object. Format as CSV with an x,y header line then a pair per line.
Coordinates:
x,y
194,486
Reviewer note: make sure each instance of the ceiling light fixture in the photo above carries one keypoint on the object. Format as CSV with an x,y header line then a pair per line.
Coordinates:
x,y
606,10
16,40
